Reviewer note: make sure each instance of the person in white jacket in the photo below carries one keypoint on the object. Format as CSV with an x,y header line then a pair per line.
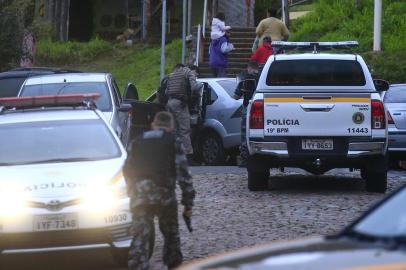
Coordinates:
x,y
218,26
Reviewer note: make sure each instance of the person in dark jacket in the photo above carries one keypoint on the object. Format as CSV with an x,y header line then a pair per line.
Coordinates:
x,y
261,55
251,72
219,49
155,163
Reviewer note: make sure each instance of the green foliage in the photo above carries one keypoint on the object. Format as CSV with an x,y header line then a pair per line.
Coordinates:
x,y
15,16
70,51
337,20
139,64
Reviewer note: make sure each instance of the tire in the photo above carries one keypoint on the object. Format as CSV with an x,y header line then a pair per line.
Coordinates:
x,y
120,255
363,173
258,181
212,149
376,182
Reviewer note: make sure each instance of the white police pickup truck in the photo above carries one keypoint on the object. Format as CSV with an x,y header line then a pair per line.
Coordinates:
x,y
317,111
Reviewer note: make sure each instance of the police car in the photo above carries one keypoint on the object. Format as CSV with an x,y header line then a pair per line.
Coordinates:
x,y
61,184
317,111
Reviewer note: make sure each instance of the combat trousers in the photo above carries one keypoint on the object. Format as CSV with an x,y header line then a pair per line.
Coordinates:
x,y
243,147
181,114
143,230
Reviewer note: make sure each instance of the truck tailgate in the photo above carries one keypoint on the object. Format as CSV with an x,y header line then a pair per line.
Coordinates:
x,y
317,115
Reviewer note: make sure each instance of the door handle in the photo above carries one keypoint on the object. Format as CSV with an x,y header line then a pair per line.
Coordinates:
x,y
317,107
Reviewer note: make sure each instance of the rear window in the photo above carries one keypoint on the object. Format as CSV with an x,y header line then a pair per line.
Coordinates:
x,y
9,87
228,85
103,103
315,73
395,95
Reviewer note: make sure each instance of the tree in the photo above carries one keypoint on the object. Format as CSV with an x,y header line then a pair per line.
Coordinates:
x,y
15,17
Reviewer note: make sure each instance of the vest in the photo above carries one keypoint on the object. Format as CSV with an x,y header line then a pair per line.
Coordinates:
x,y
154,158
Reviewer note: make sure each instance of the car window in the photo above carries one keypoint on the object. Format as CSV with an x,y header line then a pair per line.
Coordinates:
x,y
116,92
103,103
228,85
395,95
33,142
393,212
315,73
9,87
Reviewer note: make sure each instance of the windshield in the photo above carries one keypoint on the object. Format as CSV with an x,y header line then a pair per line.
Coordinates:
x,y
229,86
315,73
395,95
388,220
75,140
103,103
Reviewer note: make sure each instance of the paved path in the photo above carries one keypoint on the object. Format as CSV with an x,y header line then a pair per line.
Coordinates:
x,y
227,216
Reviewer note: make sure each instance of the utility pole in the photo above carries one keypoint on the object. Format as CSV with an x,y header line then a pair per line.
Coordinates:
x,y
377,25
184,22
163,39
189,17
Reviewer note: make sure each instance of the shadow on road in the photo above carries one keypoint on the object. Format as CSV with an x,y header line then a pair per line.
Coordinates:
x,y
310,183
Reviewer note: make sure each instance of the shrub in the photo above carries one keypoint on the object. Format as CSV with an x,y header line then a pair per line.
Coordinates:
x,y
70,51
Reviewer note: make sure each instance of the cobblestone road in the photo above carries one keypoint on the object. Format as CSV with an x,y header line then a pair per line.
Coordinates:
x,y
228,217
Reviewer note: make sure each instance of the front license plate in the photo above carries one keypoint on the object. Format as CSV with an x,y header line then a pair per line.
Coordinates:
x,y
312,144
56,222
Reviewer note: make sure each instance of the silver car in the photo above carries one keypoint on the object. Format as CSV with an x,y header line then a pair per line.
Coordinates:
x,y
218,136
111,103
395,101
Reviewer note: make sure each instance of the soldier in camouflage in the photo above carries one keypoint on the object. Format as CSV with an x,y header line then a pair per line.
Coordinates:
x,y
155,163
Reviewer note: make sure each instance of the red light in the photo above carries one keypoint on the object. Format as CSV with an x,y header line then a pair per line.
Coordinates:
x,y
38,101
390,119
378,115
257,114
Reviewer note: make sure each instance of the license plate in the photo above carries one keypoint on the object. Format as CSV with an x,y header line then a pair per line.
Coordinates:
x,y
56,222
312,144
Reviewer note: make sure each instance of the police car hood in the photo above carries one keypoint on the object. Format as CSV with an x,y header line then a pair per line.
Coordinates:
x,y
310,254
59,180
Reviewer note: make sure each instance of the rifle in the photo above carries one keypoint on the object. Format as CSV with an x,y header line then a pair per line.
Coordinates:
x,y
188,222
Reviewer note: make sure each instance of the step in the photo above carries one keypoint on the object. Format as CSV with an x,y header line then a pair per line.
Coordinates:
x,y
239,65
232,59
241,40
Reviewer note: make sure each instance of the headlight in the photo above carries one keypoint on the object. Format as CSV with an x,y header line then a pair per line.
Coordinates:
x,y
12,201
103,197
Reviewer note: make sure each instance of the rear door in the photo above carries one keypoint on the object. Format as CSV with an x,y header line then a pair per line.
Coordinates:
x,y
320,114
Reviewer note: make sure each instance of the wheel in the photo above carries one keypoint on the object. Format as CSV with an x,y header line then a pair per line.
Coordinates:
x,y
363,174
120,255
258,181
212,149
376,175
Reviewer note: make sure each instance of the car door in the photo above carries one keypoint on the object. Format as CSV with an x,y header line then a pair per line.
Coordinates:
x,y
142,113
121,115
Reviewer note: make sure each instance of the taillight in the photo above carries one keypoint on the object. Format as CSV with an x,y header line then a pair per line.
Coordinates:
x,y
390,119
257,115
378,115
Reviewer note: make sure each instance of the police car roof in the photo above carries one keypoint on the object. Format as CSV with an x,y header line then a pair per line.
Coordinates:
x,y
320,56
67,77
56,114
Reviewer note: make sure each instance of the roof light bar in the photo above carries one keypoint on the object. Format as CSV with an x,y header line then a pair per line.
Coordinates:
x,y
54,101
315,45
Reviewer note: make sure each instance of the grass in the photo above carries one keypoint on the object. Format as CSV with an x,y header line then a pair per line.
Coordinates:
x,y
139,64
336,20
302,7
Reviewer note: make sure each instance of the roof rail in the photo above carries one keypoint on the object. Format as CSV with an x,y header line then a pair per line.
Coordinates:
x,y
71,100
47,69
315,46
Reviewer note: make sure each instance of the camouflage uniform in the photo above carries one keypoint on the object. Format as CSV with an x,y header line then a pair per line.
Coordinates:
x,y
149,198
181,81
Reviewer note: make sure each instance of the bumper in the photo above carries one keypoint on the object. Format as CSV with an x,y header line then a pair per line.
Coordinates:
x,y
95,229
397,142
355,149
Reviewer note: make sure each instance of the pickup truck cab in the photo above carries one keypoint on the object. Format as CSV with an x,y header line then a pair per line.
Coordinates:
x,y
317,111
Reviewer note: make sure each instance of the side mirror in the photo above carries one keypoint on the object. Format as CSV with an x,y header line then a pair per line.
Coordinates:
x,y
381,85
125,107
207,94
249,85
131,92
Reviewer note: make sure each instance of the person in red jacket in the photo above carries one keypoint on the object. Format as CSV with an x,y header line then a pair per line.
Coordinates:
x,y
261,55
